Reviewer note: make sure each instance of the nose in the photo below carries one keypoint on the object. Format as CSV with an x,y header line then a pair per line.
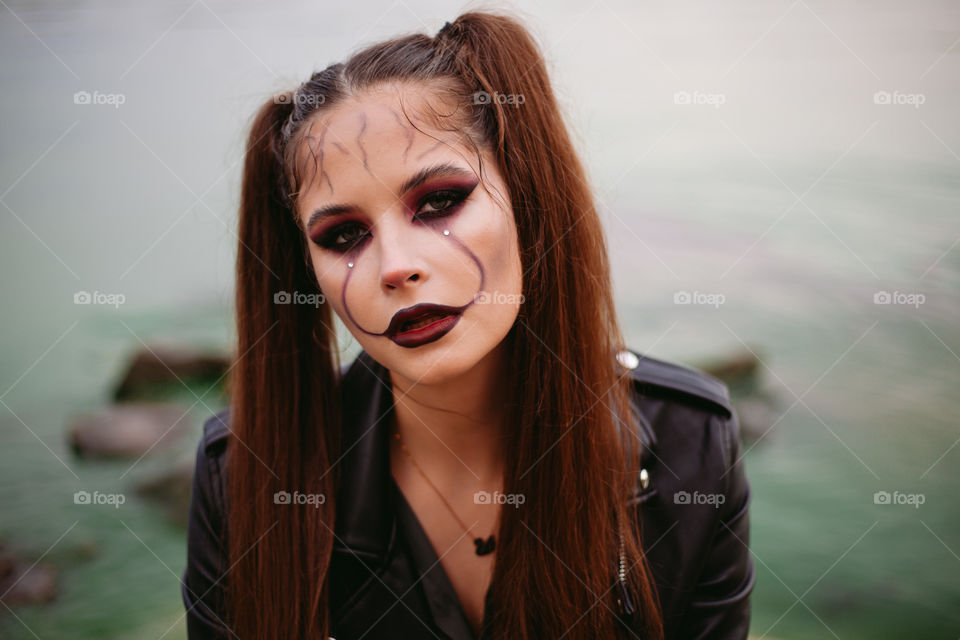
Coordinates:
x,y
396,278
400,262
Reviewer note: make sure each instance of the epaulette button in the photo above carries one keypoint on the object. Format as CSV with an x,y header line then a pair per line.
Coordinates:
x,y
644,479
628,359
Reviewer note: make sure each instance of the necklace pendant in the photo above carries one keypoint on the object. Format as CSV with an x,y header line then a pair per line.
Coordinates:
x,y
485,546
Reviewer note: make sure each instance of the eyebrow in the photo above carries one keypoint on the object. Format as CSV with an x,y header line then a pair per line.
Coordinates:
x,y
442,170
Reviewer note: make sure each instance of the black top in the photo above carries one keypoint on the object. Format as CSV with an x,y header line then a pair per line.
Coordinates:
x,y
432,581
386,581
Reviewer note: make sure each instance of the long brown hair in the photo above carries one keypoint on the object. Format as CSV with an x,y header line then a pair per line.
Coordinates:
x,y
556,557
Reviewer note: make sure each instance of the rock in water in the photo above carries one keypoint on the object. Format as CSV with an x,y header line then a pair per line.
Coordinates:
x,y
128,429
757,408
171,490
23,582
736,370
757,413
166,365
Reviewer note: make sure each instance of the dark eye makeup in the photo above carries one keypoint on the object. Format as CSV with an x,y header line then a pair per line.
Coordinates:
x,y
438,204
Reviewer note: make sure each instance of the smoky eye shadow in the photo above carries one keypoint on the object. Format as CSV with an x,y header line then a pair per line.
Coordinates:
x,y
325,236
457,191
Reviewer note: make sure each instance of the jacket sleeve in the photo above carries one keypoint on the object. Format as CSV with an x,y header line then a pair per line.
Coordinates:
x,y
202,586
720,604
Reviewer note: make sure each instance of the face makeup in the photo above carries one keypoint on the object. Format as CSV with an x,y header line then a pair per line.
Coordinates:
x,y
407,243
422,323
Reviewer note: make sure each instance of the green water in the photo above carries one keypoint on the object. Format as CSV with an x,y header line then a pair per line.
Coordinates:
x,y
104,199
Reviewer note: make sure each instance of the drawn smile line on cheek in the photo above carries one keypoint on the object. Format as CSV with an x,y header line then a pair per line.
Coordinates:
x,y
443,308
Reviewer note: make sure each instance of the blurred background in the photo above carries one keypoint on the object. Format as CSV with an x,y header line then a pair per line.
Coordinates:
x,y
780,184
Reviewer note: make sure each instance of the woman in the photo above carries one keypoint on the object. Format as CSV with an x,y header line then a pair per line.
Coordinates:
x,y
494,463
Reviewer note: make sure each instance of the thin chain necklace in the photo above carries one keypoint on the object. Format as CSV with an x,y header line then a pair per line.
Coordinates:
x,y
483,546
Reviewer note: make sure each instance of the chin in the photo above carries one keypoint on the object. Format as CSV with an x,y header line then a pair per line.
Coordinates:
x,y
426,366
449,357
431,364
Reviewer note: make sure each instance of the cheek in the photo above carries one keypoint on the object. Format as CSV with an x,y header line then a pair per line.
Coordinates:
x,y
498,249
331,282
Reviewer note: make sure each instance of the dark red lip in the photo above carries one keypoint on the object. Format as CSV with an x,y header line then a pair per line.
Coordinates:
x,y
446,317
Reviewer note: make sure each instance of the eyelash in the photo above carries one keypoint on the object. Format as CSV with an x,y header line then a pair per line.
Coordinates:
x,y
455,197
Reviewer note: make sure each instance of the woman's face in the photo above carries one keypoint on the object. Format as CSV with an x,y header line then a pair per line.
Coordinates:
x,y
396,218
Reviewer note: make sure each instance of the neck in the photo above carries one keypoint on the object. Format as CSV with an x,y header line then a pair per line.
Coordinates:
x,y
453,430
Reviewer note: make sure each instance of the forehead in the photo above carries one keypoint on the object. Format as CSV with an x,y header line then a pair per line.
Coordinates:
x,y
368,144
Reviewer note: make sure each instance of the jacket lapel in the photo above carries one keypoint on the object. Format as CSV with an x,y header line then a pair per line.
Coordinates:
x,y
364,521
368,572
365,518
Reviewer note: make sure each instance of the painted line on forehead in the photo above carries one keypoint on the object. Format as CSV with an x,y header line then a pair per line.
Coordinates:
x,y
430,150
318,153
363,150
407,130
315,146
449,236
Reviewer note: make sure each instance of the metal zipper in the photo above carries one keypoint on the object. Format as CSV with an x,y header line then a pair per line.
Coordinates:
x,y
624,602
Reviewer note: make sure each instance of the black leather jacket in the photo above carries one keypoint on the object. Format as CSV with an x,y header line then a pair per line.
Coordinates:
x,y
386,580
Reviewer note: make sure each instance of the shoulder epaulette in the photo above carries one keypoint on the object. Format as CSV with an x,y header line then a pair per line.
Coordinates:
x,y
652,374
216,429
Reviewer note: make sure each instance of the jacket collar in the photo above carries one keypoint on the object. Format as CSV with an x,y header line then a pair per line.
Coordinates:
x,y
365,521
640,423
